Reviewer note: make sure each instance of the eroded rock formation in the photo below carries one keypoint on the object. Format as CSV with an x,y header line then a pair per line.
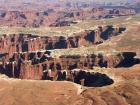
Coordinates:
x,y
26,42
57,18
40,65
26,56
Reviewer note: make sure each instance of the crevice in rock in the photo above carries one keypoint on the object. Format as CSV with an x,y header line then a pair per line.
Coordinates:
x,y
92,79
82,77
129,60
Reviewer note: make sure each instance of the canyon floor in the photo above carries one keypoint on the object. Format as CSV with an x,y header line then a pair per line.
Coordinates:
x,y
124,91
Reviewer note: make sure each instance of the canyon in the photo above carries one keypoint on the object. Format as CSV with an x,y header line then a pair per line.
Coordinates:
x,y
61,52
27,42
53,17
27,56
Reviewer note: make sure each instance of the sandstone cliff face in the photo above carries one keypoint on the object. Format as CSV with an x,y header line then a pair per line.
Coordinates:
x,y
29,71
39,65
23,43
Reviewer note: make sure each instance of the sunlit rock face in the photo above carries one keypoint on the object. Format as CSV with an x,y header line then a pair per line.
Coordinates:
x,y
27,42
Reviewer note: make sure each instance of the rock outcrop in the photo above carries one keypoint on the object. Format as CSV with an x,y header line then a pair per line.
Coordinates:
x,y
25,56
40,65
26,42
57,18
